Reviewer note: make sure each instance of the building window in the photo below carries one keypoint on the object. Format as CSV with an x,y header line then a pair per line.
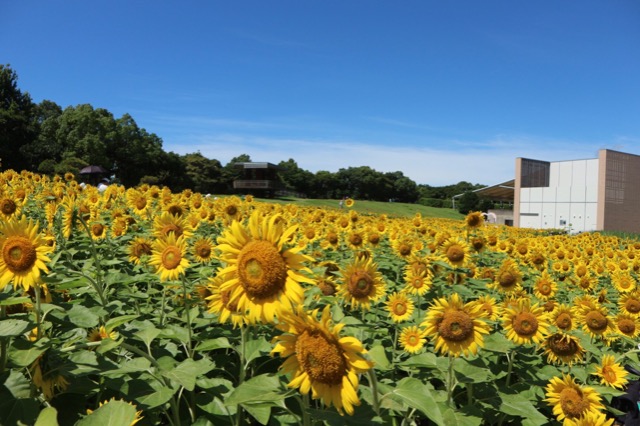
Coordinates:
x,y
534,173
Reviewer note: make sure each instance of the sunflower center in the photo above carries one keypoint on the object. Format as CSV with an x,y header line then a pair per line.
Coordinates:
x,y
544,288
563,321
360,284
632,306
175,210
417,282
627,326
204,251
609,375
321,358
8,206
141,203
537,259
231,210
573,403
596,321
455,253
456,326
261,269
19,254
399,308
355,239
405,250
507,279
525,324
171,257
172,227
97,229
563,346
374,239
141,249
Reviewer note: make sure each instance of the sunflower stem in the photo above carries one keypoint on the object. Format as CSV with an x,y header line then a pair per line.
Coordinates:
x,y
162,304
373,381
4,342
450,382
99,284
188,315
36,289
469,394
510,357
306,419
243,371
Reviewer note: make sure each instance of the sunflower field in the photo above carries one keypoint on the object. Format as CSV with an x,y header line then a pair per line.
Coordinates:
x,y
143,306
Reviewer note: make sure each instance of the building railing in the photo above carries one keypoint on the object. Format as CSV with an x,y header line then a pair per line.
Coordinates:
x,y
259,184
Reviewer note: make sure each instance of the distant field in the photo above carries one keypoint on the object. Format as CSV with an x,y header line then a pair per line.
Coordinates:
x,y
377,207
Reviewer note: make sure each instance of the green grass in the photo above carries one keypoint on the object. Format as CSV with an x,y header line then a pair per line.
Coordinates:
x,y
373,207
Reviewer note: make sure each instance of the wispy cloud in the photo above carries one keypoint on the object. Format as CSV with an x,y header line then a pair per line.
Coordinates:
x,y
487,162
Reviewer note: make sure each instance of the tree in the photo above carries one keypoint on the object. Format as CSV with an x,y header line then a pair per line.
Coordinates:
x,y
204,173
45,147
16,125
294,178
468,202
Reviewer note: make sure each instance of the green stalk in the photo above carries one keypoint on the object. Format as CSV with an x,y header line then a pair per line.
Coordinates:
x,y
4,342
373,381
450,381
98,284
306,419
243,369
36,288
188,315
510,358
469,394
162,304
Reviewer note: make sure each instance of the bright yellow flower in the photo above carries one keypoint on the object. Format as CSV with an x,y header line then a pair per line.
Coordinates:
x,y
168,257
570,400
611,373
411,339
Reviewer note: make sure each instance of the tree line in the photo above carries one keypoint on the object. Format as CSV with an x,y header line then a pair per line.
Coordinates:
x,y
46,138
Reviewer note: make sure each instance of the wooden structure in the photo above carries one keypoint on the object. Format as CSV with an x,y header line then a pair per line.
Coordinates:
x,y
257,178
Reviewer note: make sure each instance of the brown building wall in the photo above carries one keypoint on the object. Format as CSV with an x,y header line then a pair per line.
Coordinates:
x,y
618,191
516,193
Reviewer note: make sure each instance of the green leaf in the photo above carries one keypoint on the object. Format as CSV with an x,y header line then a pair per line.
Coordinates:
x,y
155,398
379,356
186,372
262,388
469,373
131,366
17,384
83,316
15,301
147,334
453,417
113,413
497,342
22,353
18,411
118,321
213,344
254,348
14,327
260,412
517,405
47,417
417,395
427,359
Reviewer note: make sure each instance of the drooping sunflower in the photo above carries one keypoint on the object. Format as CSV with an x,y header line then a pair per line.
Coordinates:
x,y
24,253
320,360
362,283
203,250
563,348
262,274
455,252
47,376
455,327
611,373
400,307
571,400
525,323
168,257
411,339
139,247
474,220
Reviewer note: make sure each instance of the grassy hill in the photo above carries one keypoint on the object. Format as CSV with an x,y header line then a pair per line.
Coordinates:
x,y
376,207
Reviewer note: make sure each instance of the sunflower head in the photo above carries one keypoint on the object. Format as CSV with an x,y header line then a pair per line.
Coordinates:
x,y
570,400
362,283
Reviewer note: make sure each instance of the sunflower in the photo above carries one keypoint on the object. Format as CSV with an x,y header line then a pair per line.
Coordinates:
x,y
596,321
474,220
203,250
349,202
490,307
400,307
628,325
455,252
101,333
624,282
9,208
261,273
46,375
562,317
355,239
562,347
167,255
218,302
630,303
570,400
139,247
524,323
508,278
167,223
320,360
611,373
544,287
362,283
595,418
24,253
98,230
457,328
411,339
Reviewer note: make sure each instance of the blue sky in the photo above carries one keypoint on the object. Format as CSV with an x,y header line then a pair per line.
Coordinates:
x,y
442,91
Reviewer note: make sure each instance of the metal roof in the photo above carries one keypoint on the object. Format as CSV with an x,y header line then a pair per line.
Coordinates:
x,y
500,192
256,165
